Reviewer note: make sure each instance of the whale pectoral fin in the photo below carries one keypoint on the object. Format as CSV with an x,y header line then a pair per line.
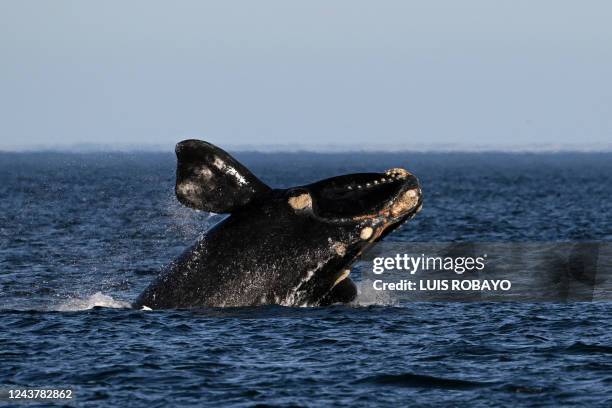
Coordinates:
x,y
209,179
344,292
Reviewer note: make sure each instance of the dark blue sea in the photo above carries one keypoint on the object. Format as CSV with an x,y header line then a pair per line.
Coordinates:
x,y
81,234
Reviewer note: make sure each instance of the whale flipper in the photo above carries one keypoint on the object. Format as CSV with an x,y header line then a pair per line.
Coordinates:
x,y
209,179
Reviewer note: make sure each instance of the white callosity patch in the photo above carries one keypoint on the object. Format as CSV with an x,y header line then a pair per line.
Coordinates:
x,y
366,233
406,202
300,202
398,173
390,176
227,169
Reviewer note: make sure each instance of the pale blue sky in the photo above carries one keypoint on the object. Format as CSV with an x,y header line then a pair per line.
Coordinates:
x,y
348,73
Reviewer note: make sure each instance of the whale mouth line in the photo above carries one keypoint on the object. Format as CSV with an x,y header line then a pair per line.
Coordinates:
x,y
365,195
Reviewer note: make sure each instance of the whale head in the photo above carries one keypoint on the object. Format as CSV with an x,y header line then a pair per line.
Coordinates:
x,y
376,202
361,209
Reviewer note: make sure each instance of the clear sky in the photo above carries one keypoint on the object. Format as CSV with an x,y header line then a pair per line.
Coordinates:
x,y
310,73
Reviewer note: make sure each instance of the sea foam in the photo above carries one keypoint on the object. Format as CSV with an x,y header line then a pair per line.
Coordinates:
x,y
97,299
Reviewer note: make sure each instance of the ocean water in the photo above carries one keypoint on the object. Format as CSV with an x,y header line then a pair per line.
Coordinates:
x,y
82,234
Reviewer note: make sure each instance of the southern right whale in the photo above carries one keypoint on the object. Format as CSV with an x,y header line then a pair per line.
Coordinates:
x,y
290,246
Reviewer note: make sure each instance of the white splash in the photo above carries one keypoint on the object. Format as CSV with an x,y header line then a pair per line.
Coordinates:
x,y
368,296
187,222
293,297
97,299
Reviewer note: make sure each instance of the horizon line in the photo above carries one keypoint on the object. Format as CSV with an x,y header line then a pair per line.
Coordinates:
x,y
302,148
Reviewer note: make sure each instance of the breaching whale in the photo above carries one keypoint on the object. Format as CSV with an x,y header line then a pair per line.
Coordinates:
x,y
291,247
